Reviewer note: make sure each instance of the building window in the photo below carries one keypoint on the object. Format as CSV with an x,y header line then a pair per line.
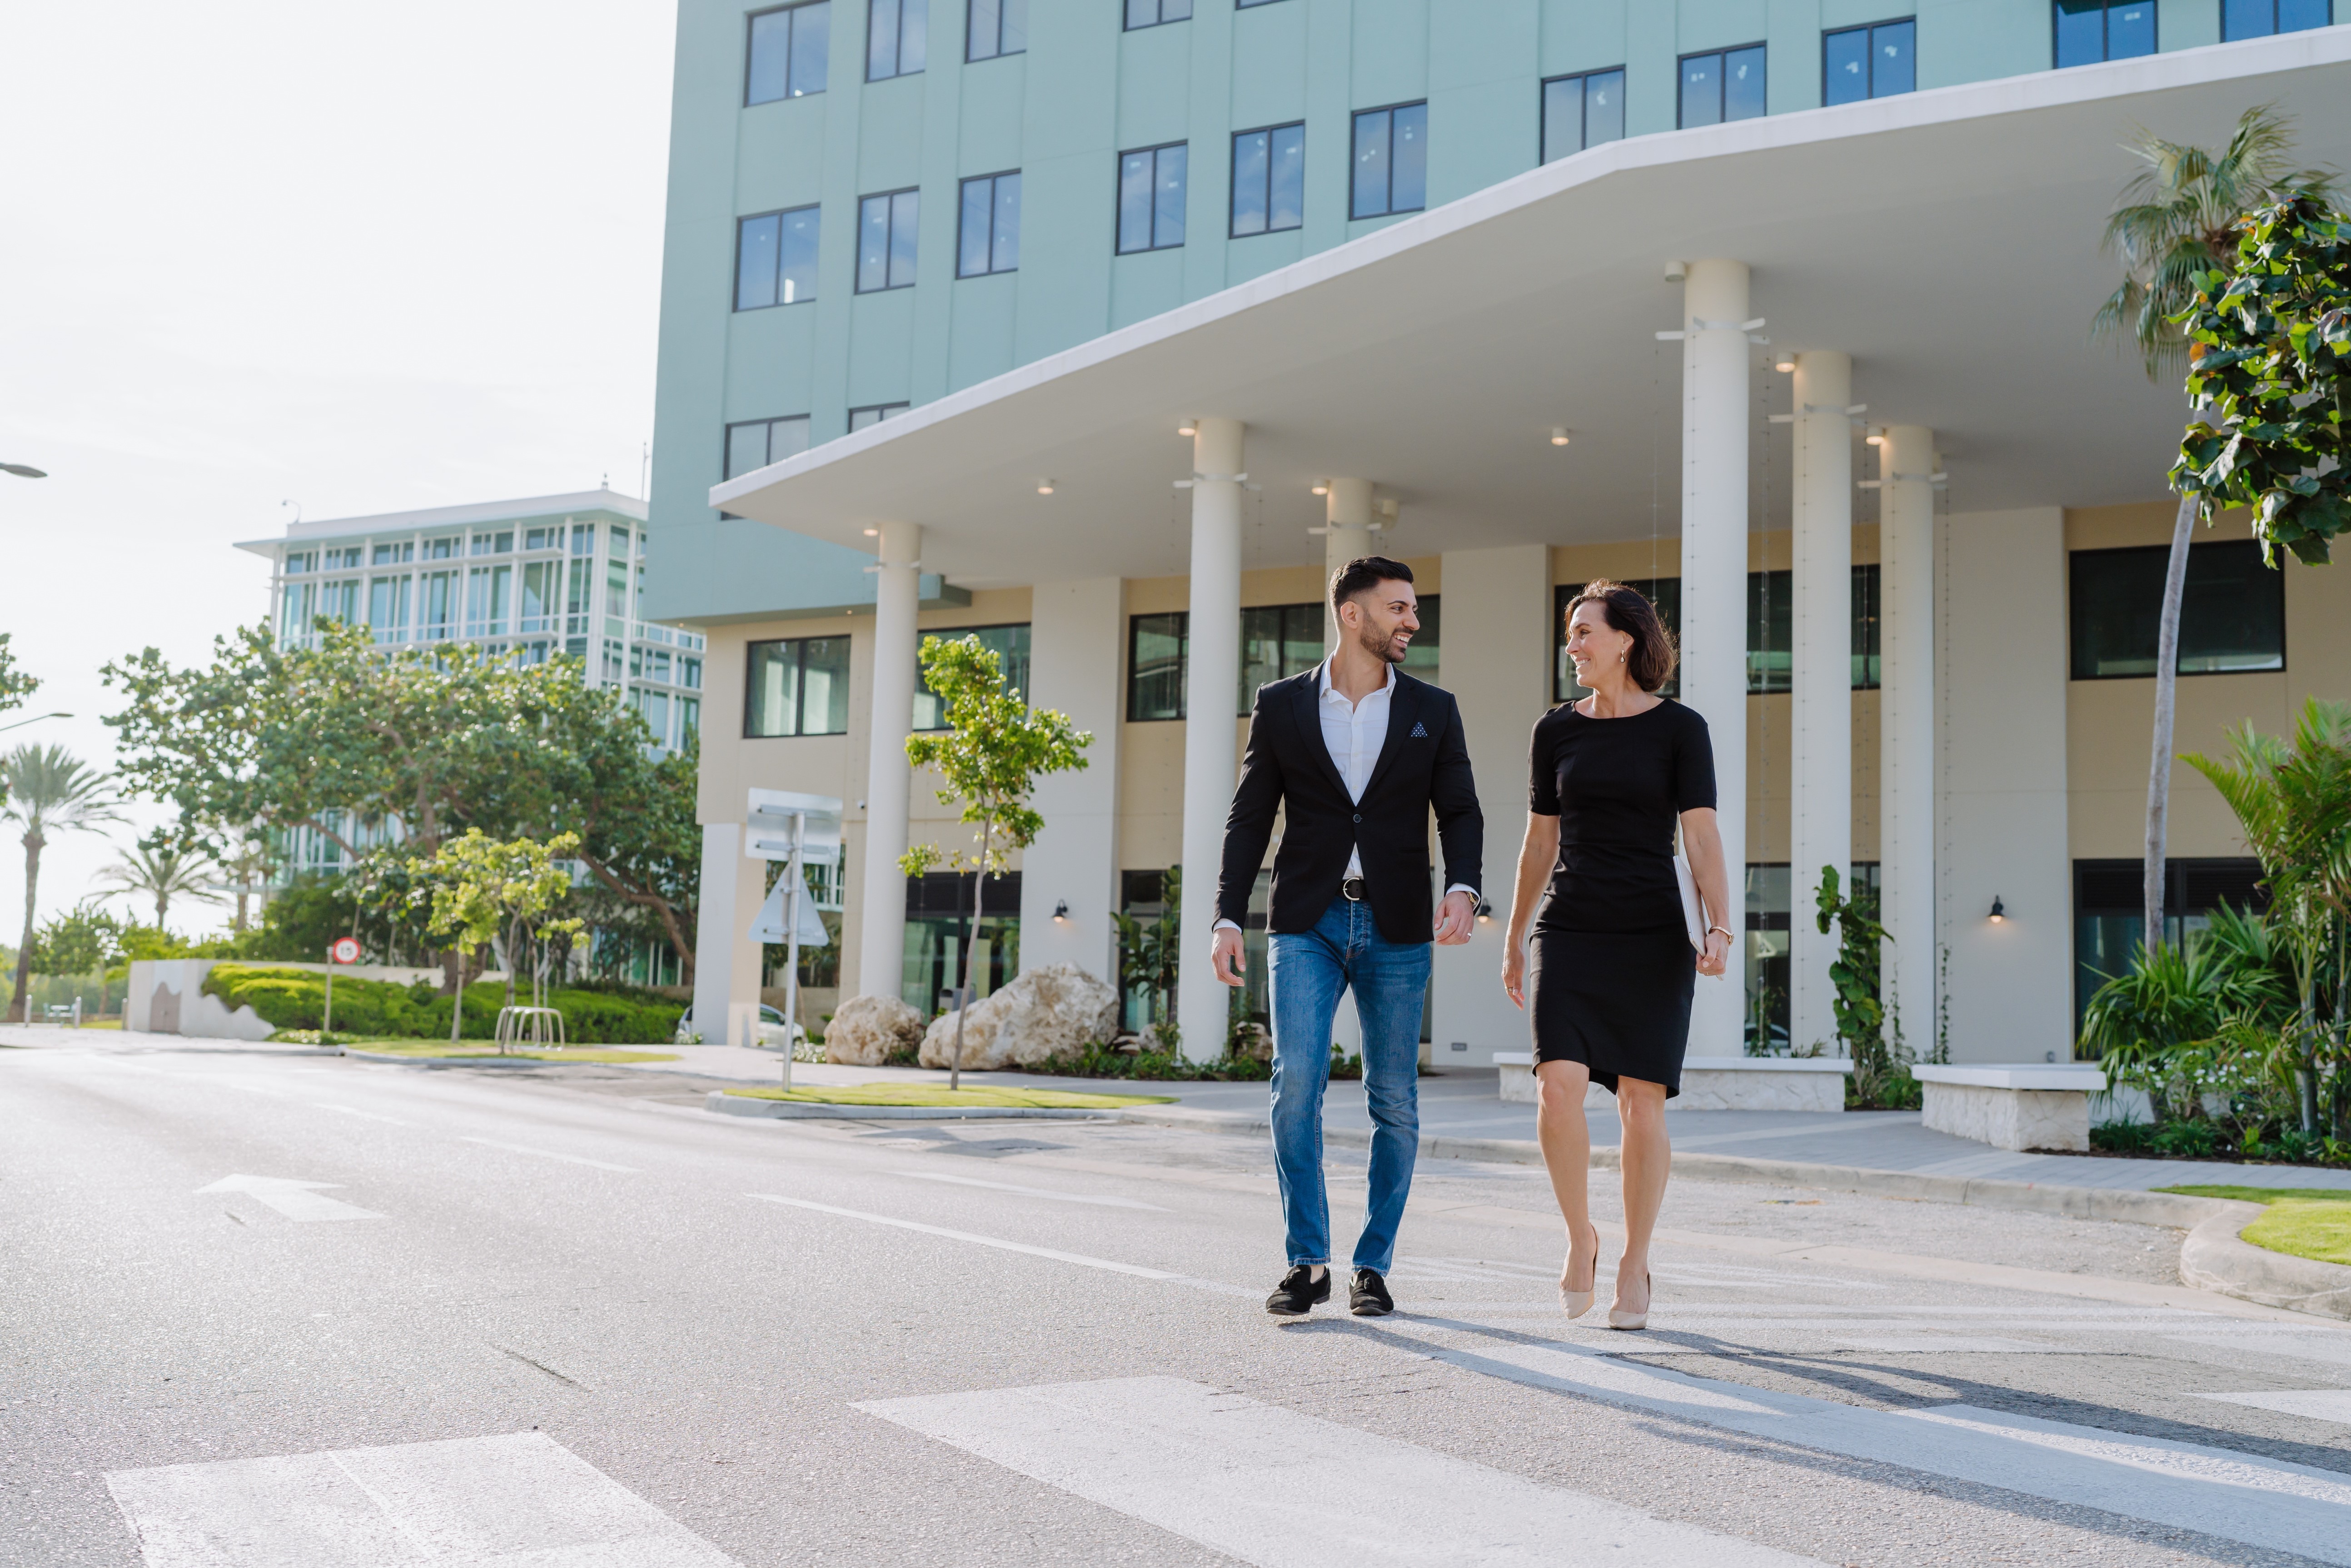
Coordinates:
x,y
1724,84
2110,911
995,27
393,554
488,591
1151,13
344,558
1875,61
1581,111
861,418
754,443
1770,630
1269,180
1277,640
1011,646
442,550
2232,611
932,968
1391,161
300,561
388,609
2088,31
775,258
1245,5
541,609
436,606
1151,198
886,230
499,543
788,52
1155,650
2259,18
896,35
990,240
799,686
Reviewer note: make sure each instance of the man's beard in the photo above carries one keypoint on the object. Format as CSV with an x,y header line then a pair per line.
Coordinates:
x,y
1379,647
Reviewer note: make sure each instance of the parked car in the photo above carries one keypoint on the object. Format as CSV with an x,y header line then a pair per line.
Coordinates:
x,y
773,1033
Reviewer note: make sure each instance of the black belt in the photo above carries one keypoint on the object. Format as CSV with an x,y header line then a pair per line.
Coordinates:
x,y
1353,887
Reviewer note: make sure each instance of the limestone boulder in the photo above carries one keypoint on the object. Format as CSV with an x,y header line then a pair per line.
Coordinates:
x,y
868,1030
1051,1011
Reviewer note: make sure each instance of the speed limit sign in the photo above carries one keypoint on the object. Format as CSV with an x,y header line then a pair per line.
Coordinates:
x,y
346,950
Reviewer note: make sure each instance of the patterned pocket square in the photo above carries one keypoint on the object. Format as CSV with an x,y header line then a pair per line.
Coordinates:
x,y
1419,733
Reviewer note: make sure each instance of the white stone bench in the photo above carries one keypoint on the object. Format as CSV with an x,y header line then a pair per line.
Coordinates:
x,y
1717,1082
2013,1105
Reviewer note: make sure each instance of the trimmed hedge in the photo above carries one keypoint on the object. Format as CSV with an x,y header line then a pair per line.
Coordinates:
x,y
297,999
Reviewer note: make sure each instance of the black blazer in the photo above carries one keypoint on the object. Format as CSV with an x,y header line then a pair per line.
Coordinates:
x,y
1423,764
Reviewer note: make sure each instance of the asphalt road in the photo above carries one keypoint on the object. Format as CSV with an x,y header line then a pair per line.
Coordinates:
x,y
568,1318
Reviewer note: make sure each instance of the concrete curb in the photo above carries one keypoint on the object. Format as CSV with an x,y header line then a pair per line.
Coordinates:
x,y
2212,1258
727,1104
444,1061
2216,1258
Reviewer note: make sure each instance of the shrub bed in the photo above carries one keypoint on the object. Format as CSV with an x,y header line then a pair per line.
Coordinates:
x,y
297,1000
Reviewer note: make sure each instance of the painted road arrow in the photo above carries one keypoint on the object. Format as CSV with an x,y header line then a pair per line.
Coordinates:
x,y
300,1200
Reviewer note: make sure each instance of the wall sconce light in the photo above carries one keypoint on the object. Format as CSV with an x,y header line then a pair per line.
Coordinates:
x,y
1998,911
1559,436
1044,486
1062,912
1785,364
1485,913
1320,486
1189,427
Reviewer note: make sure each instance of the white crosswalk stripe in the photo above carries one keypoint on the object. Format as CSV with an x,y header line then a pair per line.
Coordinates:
x,y
1275,1487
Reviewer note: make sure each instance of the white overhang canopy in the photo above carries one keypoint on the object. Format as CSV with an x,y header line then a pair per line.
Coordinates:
x,y
1947,240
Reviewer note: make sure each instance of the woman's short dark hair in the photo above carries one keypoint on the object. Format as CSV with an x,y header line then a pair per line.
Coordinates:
x,y
1652,658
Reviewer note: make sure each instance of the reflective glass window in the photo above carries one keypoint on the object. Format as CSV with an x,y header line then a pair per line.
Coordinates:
x,y
2259,18
775,258
797,686
1875,61
388,609
1269,180
754,443
1151,185
860,418
1391,172
886,233
1581,111
989,236
2232,611
2088,31
1151,13
1157,646
788,52
1716,87
897,35
994,27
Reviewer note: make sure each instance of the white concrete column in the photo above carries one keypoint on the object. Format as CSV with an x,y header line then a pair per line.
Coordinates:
x,y
1346,536
882,923
1906,757
1073,668
725,961
1211,738
1714,415
1820,731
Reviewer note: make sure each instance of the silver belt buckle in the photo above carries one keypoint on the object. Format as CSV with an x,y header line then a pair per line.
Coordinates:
x,y
1352,888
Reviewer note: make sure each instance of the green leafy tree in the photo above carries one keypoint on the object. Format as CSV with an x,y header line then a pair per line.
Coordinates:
x,y
1879,1061
14,684
477,884
2179,220
84,941
436,742
991,754
162,874
49,791
2293,801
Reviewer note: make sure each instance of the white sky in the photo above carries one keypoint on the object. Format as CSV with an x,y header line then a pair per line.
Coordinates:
x,y
364,257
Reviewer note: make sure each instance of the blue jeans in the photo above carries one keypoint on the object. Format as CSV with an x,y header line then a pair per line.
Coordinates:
x,y
1310,969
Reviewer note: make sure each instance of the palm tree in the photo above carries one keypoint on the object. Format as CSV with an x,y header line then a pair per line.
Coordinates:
x,y
50,790
161,876
2179,216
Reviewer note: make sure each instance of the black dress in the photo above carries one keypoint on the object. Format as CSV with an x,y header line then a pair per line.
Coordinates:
x,y
1610,970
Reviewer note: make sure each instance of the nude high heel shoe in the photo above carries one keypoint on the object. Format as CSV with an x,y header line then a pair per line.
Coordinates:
x,y
1640,1319
1576,1303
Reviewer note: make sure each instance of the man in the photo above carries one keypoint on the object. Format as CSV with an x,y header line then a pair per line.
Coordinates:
x,y
1358,752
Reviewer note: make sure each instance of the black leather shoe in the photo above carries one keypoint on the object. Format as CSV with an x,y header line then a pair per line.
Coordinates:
x,y
1299,1293
1367,1295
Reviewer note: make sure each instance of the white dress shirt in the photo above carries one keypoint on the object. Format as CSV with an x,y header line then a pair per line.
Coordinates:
x,y
1354,733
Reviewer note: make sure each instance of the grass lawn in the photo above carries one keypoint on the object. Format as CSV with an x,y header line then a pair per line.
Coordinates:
x,y
2308,1222
992,1097
472,1049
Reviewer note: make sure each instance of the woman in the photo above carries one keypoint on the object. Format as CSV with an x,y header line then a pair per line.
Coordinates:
x,y
1612,970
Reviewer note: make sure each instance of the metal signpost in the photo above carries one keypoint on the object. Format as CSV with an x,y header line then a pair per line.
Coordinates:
x,y
344,950
784,826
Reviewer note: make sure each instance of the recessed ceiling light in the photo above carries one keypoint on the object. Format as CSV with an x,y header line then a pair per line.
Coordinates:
x,y
1559,436
873,533
1321,487
1189,427
1784,364
1044,486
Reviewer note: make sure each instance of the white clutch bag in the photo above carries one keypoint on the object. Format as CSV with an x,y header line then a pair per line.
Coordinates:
x,y
1693,912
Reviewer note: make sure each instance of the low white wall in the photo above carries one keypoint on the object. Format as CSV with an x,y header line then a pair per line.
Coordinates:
x,y
167,997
